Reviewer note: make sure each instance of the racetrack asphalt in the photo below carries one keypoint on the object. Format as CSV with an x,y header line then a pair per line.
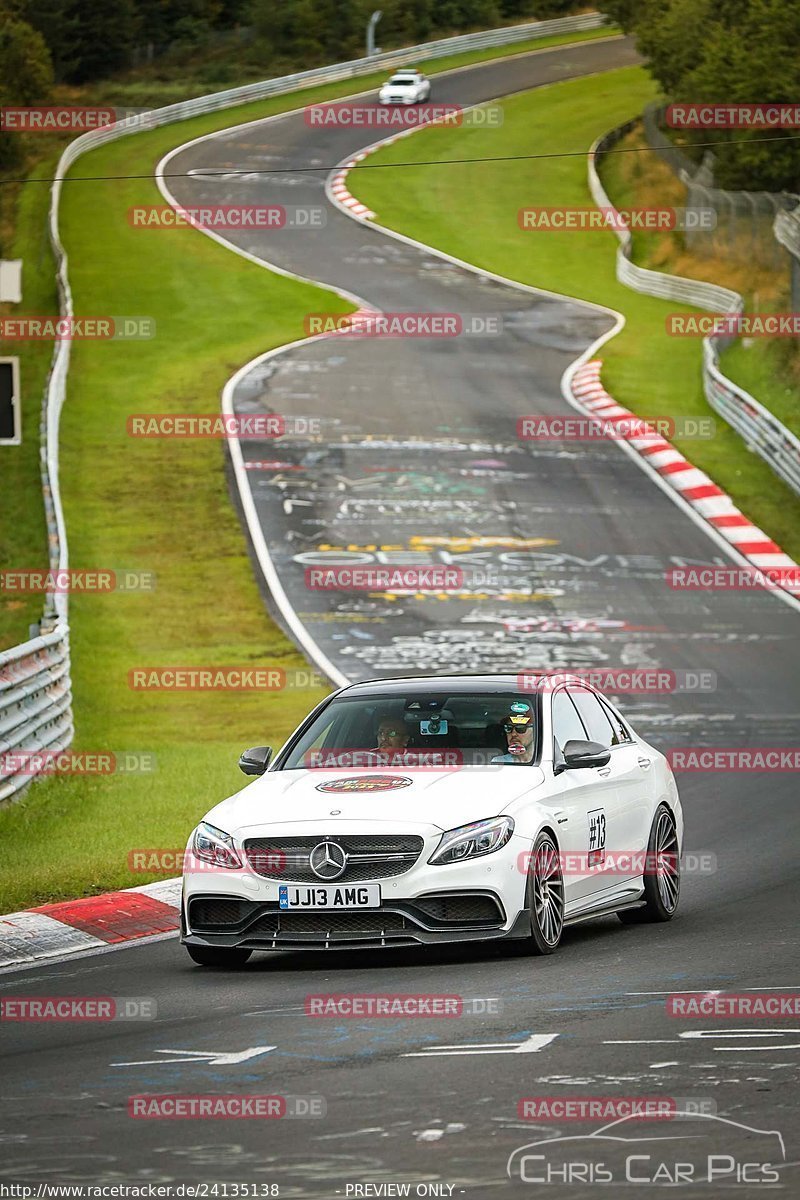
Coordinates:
x,y
420,448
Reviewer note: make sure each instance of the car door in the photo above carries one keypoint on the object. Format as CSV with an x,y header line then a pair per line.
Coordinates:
x,y
588,800
631,771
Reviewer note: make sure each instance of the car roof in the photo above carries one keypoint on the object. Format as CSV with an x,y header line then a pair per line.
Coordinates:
x,y
463,684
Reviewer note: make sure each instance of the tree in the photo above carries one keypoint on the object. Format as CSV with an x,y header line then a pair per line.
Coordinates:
x,y
739,51
105,39
290,30
26,76
87,40
26,69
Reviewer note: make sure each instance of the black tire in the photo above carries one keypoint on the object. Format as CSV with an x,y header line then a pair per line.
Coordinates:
x,y
662,876
544,898
218,956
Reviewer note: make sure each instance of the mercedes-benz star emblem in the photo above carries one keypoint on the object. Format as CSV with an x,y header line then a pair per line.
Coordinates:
x,y
327,860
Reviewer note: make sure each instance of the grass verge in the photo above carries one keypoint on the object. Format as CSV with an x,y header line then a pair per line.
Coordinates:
x,y
470,211
23,533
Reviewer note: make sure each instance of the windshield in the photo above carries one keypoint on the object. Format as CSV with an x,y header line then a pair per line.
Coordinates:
x,y
401,82
425,729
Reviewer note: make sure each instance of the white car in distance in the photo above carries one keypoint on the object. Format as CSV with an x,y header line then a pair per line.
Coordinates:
x,y
405,87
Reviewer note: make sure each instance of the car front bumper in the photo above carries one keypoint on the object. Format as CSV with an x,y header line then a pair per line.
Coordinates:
x,y
477,900
392,928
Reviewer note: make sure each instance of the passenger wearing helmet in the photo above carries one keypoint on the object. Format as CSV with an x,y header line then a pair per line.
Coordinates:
x,y
518,728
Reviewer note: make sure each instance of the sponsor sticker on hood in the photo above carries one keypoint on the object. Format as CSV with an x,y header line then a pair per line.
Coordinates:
x,y
364,783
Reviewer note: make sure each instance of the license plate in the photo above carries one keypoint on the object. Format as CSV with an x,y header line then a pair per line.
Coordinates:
x,y
331,896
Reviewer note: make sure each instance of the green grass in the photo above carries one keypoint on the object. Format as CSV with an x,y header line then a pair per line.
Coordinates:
x,y
762,369
23,537
471,211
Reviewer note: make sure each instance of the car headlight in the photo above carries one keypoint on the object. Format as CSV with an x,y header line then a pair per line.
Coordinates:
x,y
471,841
213,846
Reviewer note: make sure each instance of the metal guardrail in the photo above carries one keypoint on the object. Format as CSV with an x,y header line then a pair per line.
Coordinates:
x,y
761,429
35,704
35,690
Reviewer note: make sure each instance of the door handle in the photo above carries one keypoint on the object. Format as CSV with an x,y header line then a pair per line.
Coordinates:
x,y
604,771
644,763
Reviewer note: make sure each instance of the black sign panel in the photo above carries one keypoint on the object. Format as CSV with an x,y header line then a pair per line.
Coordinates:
x,y
8,399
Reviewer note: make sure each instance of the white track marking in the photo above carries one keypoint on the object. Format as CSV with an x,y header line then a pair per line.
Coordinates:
x,y
532,1045
213,1058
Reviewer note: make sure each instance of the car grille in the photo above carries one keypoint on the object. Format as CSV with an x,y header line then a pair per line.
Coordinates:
x,y
467,909
322,923
208,911
369,856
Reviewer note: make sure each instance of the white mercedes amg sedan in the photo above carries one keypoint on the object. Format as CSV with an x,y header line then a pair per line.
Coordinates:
x,y
414,811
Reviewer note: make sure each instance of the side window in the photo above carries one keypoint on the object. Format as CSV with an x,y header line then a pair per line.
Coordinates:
x,y
595,717
567,724
621,732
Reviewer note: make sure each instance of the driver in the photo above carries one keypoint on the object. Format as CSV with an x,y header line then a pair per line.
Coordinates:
x,y
392,736
518,728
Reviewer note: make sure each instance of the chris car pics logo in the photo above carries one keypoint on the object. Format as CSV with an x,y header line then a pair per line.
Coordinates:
x,y
701,1151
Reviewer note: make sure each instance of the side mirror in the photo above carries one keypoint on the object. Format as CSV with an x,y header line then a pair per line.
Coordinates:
x,y
579,753
255,761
